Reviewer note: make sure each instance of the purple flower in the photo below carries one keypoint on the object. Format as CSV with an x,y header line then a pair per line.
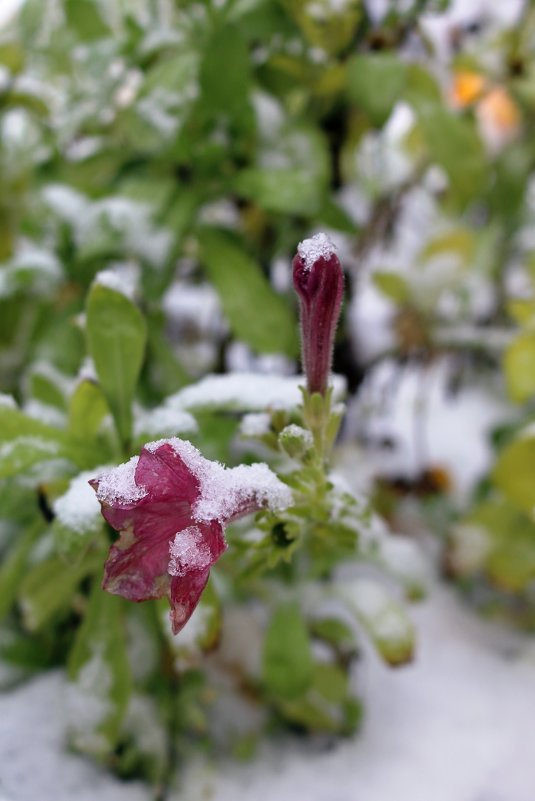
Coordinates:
x,y
319,282
170,505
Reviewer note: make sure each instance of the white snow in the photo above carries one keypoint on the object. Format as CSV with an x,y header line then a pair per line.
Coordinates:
x,y
251,392
255,424
428,426
118,485
298,432
88,704
226,492
456,725
7,401
35,764
121,281
8,10
317,247
188,551
78,509
163,421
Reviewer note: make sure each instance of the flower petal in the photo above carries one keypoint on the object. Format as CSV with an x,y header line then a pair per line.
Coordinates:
x,y
192,553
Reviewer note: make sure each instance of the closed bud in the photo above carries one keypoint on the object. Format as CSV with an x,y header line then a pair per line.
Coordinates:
x,y
295,441
319,282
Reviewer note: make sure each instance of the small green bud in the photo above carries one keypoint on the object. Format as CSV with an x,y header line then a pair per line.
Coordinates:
x,y
295,441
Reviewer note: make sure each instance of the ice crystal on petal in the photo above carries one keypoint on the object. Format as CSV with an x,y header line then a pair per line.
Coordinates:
x,y
119,485
188,551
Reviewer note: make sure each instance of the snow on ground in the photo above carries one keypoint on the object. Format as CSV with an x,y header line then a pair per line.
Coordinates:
x,y
34,763
457,725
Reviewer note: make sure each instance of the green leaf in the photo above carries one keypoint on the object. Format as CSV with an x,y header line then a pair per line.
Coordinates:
x,y
87,410
508,539
12,56
84,17
299,185
288,667
375,83
15,565
393,285
99,673
25,442
519,367
324,25
225,90
287,191
48,589
117,334
514,473
454,145
43,388
384,619
256,314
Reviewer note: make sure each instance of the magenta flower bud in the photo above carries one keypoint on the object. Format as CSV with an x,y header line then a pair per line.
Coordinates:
x,y
319,282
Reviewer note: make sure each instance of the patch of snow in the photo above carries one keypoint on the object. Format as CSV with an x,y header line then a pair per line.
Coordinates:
x,y
118,485
69,205
252,392
228,492
78,509
35,764
255,424
120,280
188,551
163,421
413,408
456,725
15,449
317,247
87,371
193,306
239,489
45,413
7,401
88,704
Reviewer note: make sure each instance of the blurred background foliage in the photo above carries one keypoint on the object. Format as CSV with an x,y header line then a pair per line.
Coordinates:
x,y
187,147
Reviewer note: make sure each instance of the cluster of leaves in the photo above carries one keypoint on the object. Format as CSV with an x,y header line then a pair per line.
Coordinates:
x,y
193,142
121,659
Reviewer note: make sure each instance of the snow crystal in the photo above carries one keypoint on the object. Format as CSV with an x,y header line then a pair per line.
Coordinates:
x,y
78,509
317,247
118,484
188,551
253,392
